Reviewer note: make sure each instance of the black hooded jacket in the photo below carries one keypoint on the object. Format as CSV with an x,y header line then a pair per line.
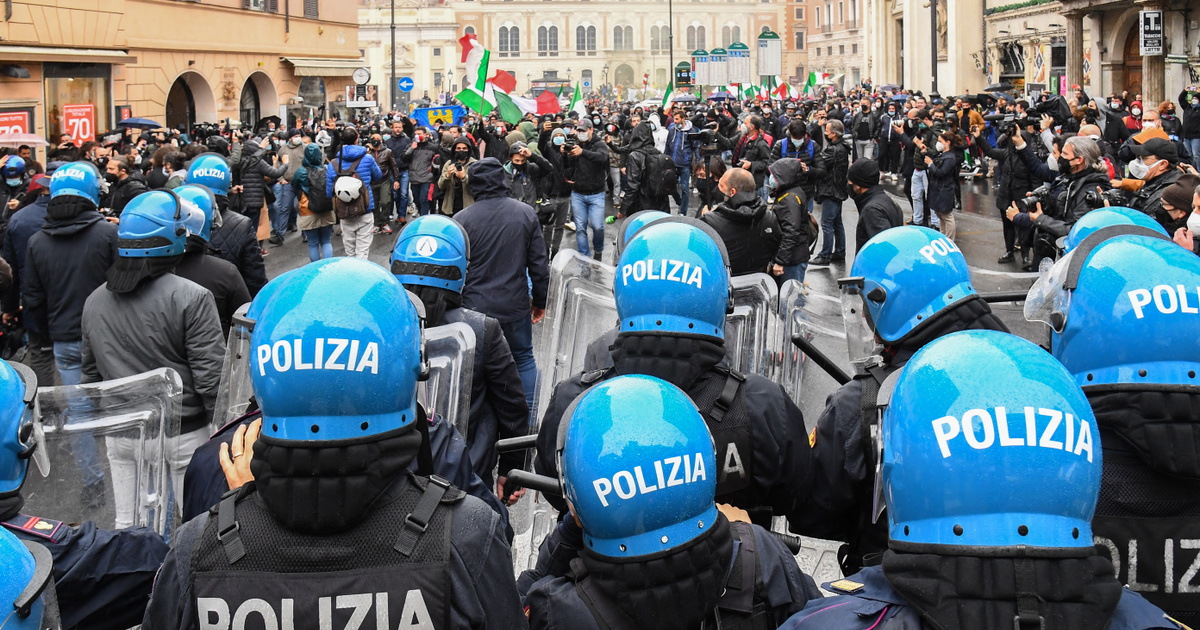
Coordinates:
x,y
506,243
236,241
789,208
641,147
876,213
751,234
65,262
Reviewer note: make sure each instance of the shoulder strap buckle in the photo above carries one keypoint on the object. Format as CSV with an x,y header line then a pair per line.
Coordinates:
x,y
417,521
228,528
723,403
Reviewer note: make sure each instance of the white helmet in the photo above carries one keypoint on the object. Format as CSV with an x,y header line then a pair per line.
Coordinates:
x,y
347,189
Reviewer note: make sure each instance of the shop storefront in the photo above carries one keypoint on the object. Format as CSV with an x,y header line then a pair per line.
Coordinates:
x,y
78,101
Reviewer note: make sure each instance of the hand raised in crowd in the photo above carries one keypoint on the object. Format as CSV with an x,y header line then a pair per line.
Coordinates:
x,y
235,457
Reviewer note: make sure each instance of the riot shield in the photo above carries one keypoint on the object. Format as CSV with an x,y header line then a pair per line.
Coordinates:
x,y
580,308
1000,289
817,315
450,352
532,520
751,330
233,396
109,446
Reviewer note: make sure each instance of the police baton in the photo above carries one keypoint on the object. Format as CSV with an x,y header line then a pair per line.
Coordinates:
x,y
1004,296
820,359
534,481
522,443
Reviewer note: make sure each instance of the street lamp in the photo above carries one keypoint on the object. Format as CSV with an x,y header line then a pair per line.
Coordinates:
x,y
606,79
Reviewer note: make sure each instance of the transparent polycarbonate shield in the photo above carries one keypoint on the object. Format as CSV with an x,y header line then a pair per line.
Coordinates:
x,y
1049,300
233,396
817,316
532,520
752,330
579,309
817,557
109,445
860,337
1005,292
450,351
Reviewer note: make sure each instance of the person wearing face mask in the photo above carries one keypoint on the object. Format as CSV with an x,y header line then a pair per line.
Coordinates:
x,y
865,125
876,210
889,142
1155,165
454,181
382,189
16,182
419,158
1014,183
1134,120
124,183
1177,202
943,168
751,233
683,153
1152,127
750,150
829,171
1189,103
525,171
556,192
772,124
585,169
1188,237
1170,120
287,206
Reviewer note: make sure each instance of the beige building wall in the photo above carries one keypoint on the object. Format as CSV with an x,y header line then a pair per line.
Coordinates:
x,y
426,46
900,49
216,49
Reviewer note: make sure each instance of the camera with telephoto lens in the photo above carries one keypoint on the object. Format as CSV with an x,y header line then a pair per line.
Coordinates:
x,y
1041,195
569,145
1096,198
706,138
1009,124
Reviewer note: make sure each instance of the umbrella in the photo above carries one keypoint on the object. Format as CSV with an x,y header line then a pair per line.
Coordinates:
x,y
264,121
900,97
685,98
14,140
998,87
889,87
720,96
140,123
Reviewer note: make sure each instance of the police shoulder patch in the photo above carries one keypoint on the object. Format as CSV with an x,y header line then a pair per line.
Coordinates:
x,y
848,587
36,526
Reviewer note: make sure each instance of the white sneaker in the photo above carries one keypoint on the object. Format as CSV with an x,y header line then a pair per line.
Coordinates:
x,y
570,225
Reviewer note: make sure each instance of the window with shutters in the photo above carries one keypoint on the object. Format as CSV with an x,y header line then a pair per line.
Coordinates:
x,y
580,41
503,41
618,38
543,40
267,6
799,41
310,9
553,41
514,41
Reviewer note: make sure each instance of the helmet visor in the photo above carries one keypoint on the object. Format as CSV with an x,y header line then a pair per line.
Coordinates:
x,y
860,334
1049,300
31,433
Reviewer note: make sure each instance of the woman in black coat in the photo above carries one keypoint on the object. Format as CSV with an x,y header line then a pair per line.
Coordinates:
x,y
791,207
943,172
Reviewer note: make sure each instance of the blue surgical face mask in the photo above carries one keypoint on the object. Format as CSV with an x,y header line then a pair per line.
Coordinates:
x,y
772,185
559,140
13,183
387,136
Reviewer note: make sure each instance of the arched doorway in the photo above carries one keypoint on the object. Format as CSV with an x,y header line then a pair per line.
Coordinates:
x,y
1132,79
623,75
248,106
312,103
259,100
190,101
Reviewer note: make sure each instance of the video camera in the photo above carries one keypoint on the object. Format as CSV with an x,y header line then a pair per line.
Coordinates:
x,y
706,138
1008,124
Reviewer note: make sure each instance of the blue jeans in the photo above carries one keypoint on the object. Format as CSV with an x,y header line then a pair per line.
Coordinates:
x,y
1193,147
792,272
285,208
832,227
421,197
320,243
685,189
588,211
920,186
519,335
401,196
68,357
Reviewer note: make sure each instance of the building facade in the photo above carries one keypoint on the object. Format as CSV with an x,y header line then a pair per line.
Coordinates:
x,y
427,52
78,67
836,41
795,33
906,38
609,45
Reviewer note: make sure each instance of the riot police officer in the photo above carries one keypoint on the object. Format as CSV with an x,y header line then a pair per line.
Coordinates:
x,y
26,586
334,526
430,259
991,468
233,237
672,295
103,577
645,545
1121,308
914,286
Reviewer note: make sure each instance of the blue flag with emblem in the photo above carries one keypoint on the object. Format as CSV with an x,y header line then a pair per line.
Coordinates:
x,y
434,116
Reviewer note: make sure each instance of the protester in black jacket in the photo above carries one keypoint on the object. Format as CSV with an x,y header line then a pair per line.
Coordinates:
x,y
636,196
220,277
234,239
943,166
876,210
750,149
525,171
1015,183
125,183
399,143
796,223
587,168
751,233
830,174
556,192
255,172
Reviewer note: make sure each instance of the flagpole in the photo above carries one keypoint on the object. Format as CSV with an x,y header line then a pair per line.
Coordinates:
x,y
392,86
671,41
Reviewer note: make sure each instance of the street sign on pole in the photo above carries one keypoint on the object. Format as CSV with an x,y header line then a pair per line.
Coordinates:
x,y
739,64
770,54
405,84
1151,35
587,84
718,67
700,62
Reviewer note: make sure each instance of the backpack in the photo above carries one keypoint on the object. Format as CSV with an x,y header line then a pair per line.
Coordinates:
x,y
659,178
318,201
357,206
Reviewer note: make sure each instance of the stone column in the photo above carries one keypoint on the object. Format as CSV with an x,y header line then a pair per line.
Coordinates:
x,y
1154,68
1074,48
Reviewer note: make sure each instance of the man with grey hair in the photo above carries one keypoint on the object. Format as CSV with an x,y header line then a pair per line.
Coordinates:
x,y
1081,170
830,172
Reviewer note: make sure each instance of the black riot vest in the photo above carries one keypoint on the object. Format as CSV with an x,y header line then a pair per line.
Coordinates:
x,y
866,544
743,605
391,570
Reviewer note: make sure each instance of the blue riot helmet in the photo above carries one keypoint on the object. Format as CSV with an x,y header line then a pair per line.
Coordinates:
x,y
988,442
1122,310
1106,217
79,179
25,582
201,203
155,225
13,171
635,222
432,251
905,276
638,467
211,171
336,352
673,276
21,436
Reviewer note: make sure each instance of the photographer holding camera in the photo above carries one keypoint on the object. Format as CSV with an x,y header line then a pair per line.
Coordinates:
x,y
1156,164
1053,209
1015,182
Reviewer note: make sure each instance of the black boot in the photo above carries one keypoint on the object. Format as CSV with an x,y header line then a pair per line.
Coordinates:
x,y
1007,257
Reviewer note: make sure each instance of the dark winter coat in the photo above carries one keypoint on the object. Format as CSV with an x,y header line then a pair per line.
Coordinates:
x,y
756,151
1015,179
65,262
236,241
1069,193
1191,115
525,184
221,279
791,212
125,190
21,227
256,175
419,160
876,212
942,173
635,196
751,233
831,172
589,170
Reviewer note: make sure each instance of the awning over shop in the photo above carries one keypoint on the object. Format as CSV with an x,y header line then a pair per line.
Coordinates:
x,y
307,67
68,55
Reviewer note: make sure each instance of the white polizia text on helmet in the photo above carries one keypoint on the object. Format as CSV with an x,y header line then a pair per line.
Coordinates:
x,y
982,430
669,270
1166,300
209,172
672,471
347,355
939,247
